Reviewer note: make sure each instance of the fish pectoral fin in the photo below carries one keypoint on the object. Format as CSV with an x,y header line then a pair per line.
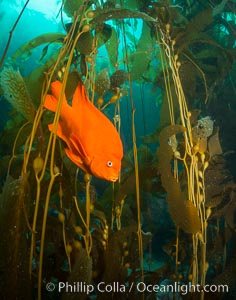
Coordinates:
x,y
78,146
77,160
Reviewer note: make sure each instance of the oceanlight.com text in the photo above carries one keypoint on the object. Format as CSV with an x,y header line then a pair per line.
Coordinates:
x,y
183,289
140,287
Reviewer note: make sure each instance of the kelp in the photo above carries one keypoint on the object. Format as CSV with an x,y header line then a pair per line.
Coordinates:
x,y
164,115
133,4
112,48
103,34
214,146
71,6
34,81
25,49
182,211
216,175
81,272
220,191
198,23
14,275
127,186
117,79
227,277
226,207
190,40
87,40
72,83
102,83
141,58
194,26
16,93
85,43
122,245
190,77
119,13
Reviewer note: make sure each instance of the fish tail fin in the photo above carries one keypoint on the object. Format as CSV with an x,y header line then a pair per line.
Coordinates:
x,y
50,127
51,101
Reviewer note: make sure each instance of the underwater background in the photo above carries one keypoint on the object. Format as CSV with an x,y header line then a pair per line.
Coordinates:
x,y
142,90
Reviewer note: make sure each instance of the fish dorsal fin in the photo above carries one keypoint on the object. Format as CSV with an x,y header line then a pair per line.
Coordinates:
x,y
80,95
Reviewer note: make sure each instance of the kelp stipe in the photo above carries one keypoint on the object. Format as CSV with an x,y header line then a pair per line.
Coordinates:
x,y
40,164
46,157
136,165
193,158
183,212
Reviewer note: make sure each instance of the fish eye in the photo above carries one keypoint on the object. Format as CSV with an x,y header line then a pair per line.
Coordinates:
x,y
109,164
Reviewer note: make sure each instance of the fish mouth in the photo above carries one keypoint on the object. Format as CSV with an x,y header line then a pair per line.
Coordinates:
x,y
113,178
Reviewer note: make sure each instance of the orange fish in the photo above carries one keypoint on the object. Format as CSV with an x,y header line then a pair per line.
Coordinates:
x,y
92,141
